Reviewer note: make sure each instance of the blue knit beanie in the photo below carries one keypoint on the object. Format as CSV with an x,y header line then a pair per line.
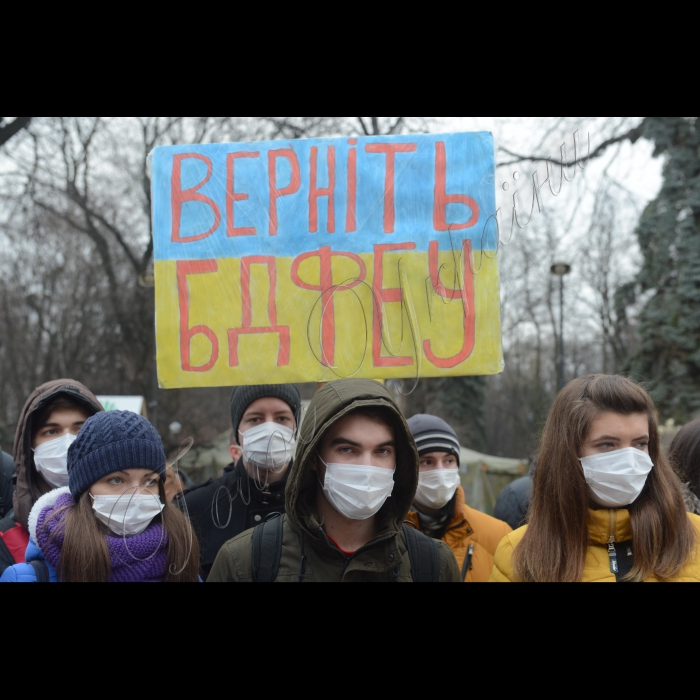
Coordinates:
x,y
112,442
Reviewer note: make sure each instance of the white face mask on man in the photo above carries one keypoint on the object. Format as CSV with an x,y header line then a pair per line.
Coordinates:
x,y
51,460
129,514
437,487
269,446
358,492
617,479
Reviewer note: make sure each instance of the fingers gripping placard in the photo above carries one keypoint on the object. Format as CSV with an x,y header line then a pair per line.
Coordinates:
x,y
313,260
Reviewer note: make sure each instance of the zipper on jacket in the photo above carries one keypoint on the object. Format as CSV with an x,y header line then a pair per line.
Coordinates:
x,y
612,552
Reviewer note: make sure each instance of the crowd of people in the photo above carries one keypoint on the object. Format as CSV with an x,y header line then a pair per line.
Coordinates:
x,y
353,493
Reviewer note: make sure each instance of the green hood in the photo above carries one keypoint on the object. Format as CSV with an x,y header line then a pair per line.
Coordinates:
x,y
329,405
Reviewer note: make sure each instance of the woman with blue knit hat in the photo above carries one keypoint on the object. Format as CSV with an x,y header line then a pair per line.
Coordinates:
x,y
440,510
112,523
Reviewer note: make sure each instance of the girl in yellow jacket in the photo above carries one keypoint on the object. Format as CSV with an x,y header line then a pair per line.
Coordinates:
x,y
606,504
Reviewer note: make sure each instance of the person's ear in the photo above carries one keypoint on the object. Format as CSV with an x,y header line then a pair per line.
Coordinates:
x,y
236,453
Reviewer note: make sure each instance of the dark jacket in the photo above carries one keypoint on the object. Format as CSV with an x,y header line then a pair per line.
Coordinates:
x,y
513,504
31,486
306,546
223,509
7,469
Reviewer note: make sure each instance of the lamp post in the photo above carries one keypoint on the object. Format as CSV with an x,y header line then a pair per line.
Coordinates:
x,y
561,270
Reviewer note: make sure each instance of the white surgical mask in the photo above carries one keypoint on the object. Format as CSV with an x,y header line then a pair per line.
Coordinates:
x,y
127,515
269,446
358,492
617,479
436,488
51,460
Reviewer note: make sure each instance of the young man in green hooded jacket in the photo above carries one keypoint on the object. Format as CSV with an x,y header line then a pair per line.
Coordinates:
x,y
350,489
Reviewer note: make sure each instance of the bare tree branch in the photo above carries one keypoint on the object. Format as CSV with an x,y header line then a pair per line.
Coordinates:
x,y
633,135
7,131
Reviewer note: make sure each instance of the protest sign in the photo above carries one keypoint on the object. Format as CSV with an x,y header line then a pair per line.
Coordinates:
x,y
309,261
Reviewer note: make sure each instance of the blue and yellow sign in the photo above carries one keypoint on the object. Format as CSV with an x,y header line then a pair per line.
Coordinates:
x,y
315,260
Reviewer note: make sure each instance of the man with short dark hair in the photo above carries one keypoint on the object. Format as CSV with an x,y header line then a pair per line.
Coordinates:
x,y
349,491
264,421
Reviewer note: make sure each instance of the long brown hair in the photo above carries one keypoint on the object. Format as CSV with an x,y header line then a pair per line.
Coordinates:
x,y
685,455
556,543
85,556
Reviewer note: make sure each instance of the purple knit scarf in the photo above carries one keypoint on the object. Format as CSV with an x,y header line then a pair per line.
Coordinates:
x,y
126,556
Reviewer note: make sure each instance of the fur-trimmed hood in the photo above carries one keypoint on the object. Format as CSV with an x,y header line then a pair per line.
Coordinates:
x,y
692,502
48,500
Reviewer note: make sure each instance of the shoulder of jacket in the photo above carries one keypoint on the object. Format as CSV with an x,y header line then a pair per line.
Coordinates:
x,y
20,573
486,526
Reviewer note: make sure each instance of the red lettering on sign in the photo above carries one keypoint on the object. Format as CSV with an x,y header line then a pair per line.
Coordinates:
x,y
442,199
315,192
466,293
180,196
351,216
390,150
232,196
328,290
292,188
184,269
248,328
385,296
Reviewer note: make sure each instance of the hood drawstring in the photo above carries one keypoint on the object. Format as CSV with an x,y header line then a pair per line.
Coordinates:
x,y
302,571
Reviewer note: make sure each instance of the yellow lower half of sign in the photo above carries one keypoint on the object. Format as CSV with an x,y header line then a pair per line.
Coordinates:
x,y
327,316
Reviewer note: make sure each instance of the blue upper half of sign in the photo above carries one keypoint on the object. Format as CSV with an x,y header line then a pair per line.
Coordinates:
x,y
274,198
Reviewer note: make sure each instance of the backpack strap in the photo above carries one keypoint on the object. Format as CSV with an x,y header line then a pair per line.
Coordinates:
x,y
267,550
424,555
41,571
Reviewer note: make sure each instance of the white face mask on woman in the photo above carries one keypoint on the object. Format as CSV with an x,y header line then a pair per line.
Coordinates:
x,y
436,488
617,479
356,491
129,514
269,446
51,460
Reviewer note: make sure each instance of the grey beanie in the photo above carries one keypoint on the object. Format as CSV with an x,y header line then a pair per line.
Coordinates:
x,y
432,434
243,396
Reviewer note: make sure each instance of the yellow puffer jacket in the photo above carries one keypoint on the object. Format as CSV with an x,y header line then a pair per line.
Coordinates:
x,y
470,527
597,568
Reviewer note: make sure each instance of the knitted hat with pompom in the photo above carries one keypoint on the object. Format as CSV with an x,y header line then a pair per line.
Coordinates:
x,y
112,442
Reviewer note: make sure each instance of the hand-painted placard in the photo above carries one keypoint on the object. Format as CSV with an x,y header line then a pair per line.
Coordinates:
x,y
308,261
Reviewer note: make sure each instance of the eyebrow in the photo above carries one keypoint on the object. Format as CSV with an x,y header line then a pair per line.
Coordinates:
x,y
57,425
345,441
617,439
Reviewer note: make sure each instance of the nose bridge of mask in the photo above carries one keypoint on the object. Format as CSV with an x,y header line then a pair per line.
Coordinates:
x,y
129,513
269,445
358,492
51,460
55,447
617,479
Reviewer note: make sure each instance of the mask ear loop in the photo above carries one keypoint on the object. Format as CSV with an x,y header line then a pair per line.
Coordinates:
x,y
288,456
162,530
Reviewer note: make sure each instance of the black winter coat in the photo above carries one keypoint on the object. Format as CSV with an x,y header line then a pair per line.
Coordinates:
x,y
241,507
514,503
7,469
